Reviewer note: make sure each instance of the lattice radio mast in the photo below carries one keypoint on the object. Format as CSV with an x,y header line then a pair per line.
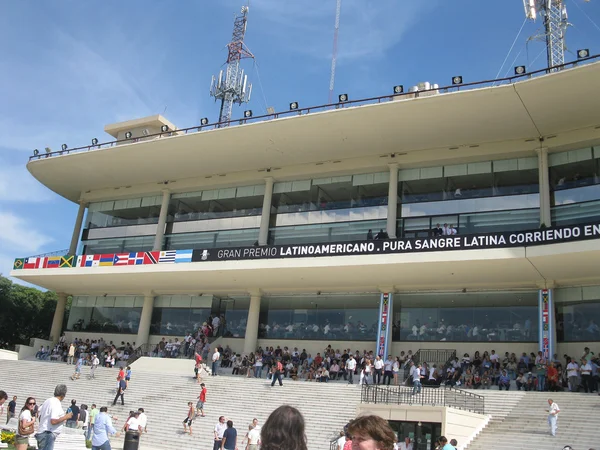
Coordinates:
x,y
555,17
234,88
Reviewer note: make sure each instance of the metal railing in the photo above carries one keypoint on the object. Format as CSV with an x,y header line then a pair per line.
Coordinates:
x,y
431,356
429,396
303,111
54,253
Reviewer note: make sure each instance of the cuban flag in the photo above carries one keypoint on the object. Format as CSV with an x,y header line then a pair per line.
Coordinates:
x,y
167,256
121,259
183,256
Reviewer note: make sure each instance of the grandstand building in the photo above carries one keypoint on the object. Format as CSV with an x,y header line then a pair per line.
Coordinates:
x,y
319,226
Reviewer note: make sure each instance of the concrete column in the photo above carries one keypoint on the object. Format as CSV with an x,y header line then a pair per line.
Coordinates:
x,y
265,218
251,340
77,228
162,220
145,319
59,315
544,182
392,211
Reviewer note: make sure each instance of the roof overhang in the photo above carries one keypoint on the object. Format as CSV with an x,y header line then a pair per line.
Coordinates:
x,y
519,267
559,105
156,121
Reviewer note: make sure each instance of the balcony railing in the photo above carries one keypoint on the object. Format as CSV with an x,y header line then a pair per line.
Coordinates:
x,y
312,109
429,396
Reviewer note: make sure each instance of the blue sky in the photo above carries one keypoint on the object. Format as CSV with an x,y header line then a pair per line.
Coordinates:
x,y
69,67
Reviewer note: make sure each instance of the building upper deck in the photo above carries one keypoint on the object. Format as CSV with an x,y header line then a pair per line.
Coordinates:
x,y
463,121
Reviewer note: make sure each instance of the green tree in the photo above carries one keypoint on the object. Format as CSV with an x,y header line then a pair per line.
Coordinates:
x,y
25,313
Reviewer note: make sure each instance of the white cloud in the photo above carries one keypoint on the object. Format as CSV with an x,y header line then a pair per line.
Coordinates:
x,y
19,236
367,28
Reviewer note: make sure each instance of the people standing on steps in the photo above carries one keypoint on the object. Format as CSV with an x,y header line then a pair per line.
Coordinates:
x,y
388,370
93,414
102,428
128,375
252,438
120,392
95,364
277,370
71,354
553,416
143,418
229,441
220,428
74,409
12,407
215,359
52,418
378,365
416,376
78,365
201,401
26,425
187,422
350,368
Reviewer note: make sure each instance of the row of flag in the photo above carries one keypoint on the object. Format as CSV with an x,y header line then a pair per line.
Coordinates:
x,y
104,260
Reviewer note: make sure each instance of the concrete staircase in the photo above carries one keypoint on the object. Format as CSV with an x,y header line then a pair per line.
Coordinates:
x,y
519,421
327,407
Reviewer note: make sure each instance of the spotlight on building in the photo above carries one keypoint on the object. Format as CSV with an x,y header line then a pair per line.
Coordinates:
x,y
94,141
36,152
204,121
128,135
398,89
48,150
583,53
145,132
248,113
64,147
343,98
164,128
293,105
457,80
520,70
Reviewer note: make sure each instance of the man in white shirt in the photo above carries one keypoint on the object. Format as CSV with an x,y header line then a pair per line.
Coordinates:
x,y
552,416
586,376
387,369
494,358
416,374
350,367
143,418
215,359
573,375
341,441
215,323
219,430
51,419
95,364
378,364
406,445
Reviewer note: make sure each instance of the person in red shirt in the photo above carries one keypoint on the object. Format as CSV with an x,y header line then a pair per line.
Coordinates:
x,y
277,373
552,378
201,401
318,360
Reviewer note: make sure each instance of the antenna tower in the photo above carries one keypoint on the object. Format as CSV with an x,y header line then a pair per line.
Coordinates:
x,y
338,11
555,17
234,87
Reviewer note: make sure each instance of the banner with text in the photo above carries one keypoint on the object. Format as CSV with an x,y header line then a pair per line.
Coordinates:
x,y
408,245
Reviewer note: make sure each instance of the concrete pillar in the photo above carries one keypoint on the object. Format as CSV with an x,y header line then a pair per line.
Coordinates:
x,y
145,320
265,218
392,211
544,182
162,220
77,228
251,340
59,315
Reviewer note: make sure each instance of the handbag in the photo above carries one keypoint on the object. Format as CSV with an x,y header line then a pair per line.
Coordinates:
x,y
25,431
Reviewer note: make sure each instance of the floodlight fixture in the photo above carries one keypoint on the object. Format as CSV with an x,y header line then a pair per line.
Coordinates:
x,y
248,113
583,53
294,105
95,141
270,110
36,152
64,147
457,79
164,128
128,135
204,121
520,70
48,150
343,98
399,89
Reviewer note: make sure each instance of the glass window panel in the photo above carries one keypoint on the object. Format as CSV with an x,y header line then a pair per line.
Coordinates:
x,y
576,213
576,173
105,319
331,232
118,245
318,317
216,204
578,322
501,221
212,239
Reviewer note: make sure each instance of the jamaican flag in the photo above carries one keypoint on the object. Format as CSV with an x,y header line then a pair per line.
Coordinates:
x,y
67,261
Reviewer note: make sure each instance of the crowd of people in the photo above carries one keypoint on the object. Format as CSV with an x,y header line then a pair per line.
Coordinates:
x,y
46,422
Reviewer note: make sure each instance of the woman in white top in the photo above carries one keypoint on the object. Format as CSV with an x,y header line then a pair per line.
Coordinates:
x,y
396,370
26,423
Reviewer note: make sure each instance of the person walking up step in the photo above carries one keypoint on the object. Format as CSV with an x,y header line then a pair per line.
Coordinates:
x,y
201,401
277,373
553,416
120,392
189,419
215,359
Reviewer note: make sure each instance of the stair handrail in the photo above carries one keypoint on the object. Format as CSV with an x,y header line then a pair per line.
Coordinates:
x,y
429,396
